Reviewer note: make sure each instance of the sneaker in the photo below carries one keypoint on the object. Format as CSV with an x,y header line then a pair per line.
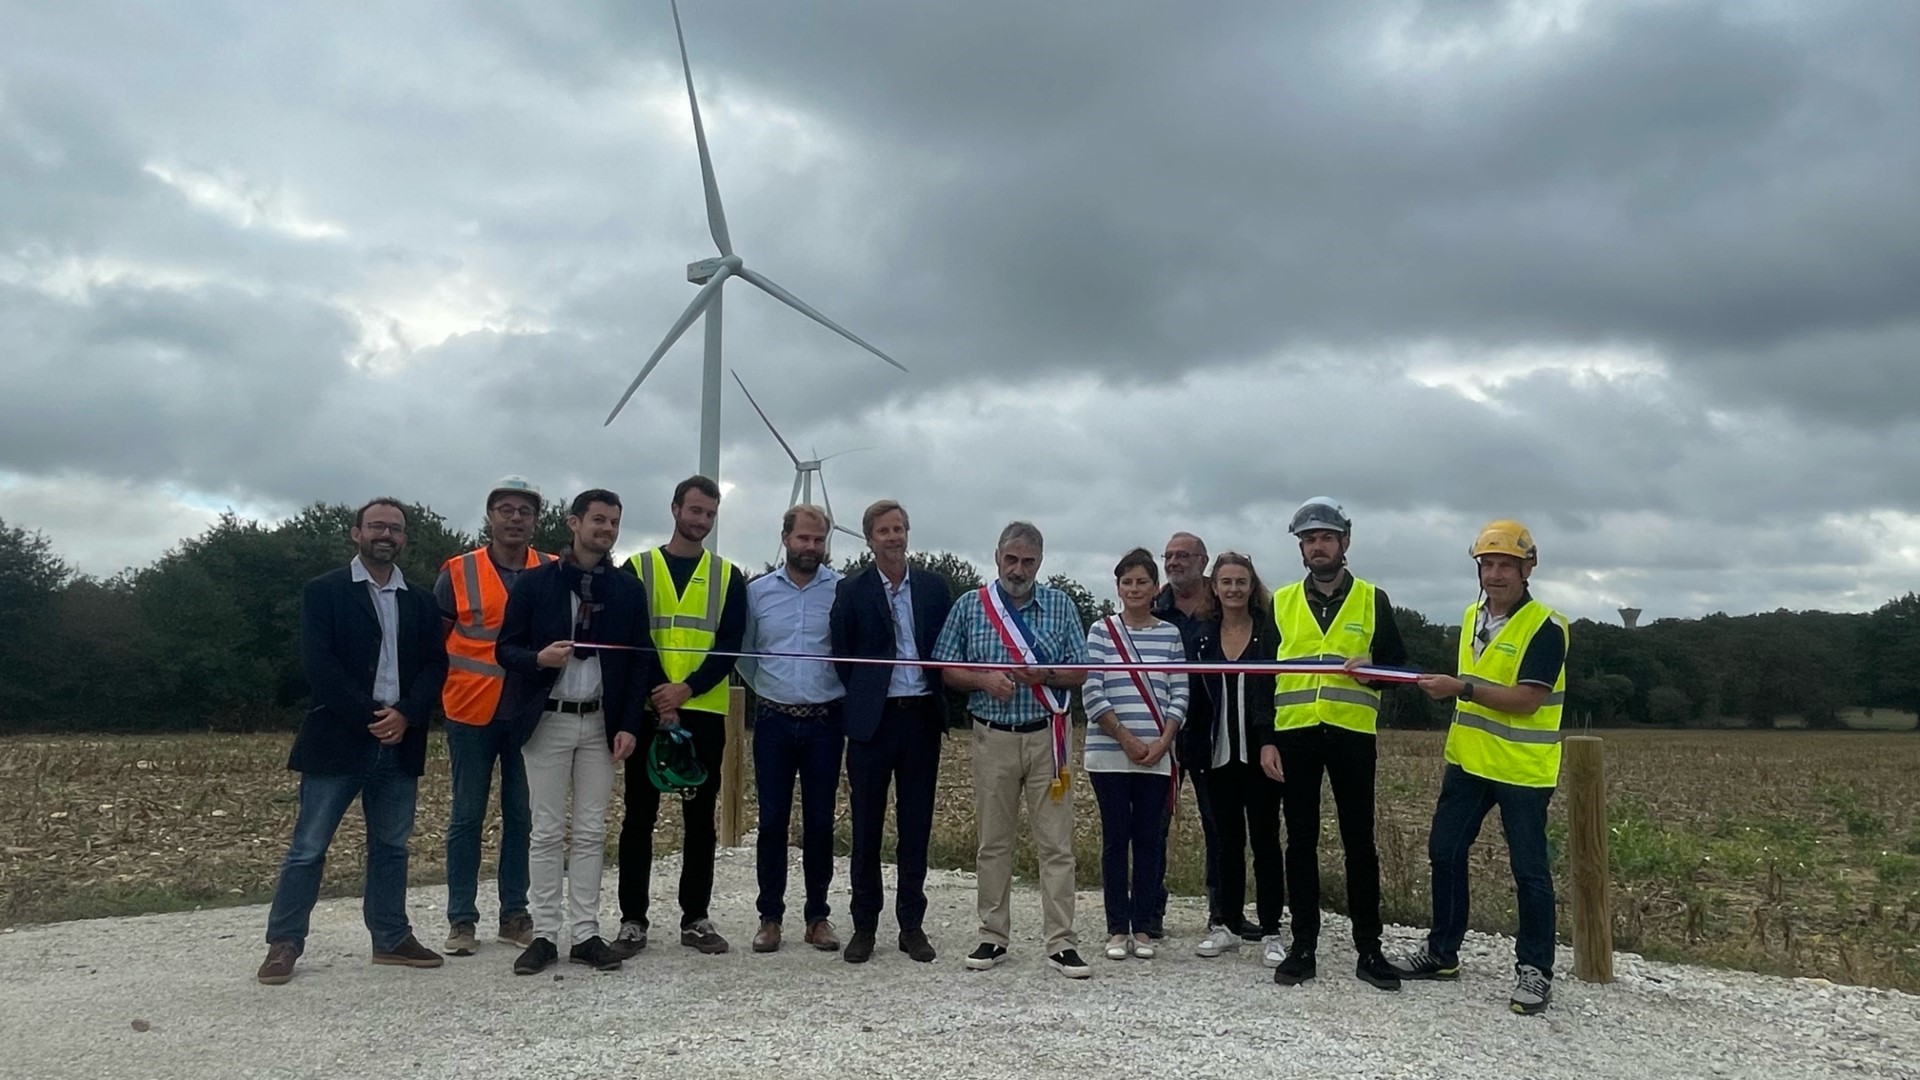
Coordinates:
x,y
1296,967
1144,947
516,930
409,953
915,944
859,948
630,940
1424,965
767,938
596,954
538,957
1532,990
1374,970
277,968
1220,938
703,936
1119,947
1273,949
460,940
986,957
1067,962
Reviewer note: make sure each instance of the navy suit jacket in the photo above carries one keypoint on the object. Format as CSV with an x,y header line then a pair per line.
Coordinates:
x,y
539,613
340,652
862,625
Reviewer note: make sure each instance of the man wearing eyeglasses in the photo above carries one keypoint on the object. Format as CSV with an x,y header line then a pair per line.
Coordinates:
x,y
472,593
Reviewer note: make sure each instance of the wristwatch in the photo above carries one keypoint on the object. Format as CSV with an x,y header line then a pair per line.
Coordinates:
x,y
1466,691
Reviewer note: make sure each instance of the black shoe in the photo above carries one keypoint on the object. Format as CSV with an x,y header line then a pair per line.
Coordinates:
x,y
631,939
986,957
596,954
859,947
1297,968
1067,962
1374,970
539,956
915,944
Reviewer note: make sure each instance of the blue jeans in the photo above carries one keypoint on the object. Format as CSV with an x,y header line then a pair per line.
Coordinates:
x,y
786,747
1465,800
472,750
1133,821
386,796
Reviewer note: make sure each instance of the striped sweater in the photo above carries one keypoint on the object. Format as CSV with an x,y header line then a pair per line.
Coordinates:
x,y
1115,692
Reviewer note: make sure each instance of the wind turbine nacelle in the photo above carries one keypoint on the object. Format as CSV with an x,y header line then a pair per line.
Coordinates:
x,y
702,272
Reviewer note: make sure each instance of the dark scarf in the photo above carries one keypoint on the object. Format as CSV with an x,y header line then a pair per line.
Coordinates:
x,y
587,584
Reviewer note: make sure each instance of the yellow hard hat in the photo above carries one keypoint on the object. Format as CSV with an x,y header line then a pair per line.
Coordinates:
x,y
1504,537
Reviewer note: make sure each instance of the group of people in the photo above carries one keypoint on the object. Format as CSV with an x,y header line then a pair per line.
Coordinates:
x,y
554,668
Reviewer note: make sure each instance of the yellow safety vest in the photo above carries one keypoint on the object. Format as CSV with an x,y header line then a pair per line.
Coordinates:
x,y
1301,701
685,621
1507,747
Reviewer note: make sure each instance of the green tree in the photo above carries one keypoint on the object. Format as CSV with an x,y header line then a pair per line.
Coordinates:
x,y
31,578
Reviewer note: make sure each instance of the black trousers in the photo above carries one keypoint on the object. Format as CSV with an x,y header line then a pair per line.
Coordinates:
x,y
1346,759
904,752
1246,809
696,816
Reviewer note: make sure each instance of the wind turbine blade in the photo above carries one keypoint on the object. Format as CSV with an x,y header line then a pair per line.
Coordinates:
x,y
694,310
826,497
766,285
849,450
716,217
794,498
795,458
855,533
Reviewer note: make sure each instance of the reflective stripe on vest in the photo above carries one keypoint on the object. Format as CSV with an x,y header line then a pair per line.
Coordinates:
x,y
472,690
685,621
1508,747
1301,701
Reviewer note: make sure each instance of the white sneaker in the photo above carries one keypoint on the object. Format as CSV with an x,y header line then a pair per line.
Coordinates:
x,y
1219,939
1119,947
1273,949
1144,948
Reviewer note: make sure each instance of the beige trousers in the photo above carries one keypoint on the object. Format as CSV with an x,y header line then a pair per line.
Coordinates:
x,y
1009,769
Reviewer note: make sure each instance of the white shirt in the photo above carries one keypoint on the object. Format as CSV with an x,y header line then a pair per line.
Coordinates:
x,y
386,608
580,679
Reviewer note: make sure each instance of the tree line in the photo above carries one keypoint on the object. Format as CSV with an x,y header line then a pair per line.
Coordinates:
x,y
207,638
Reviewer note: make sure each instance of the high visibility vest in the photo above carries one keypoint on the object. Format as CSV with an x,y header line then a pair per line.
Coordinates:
x,y
1507,747
1301,701
472,690
685,621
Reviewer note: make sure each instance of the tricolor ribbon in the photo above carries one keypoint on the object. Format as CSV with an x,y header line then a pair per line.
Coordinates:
x,y
1123,644
1019,640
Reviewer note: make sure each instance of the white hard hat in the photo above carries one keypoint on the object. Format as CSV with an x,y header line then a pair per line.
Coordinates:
x,y
515,485
1320,512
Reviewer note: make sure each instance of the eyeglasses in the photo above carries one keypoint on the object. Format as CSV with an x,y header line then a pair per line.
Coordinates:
x,y
514,510
1180,556
381,528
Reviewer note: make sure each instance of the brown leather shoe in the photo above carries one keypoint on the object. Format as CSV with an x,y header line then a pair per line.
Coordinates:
x,y
277,968
517,930
409,953
767,938
820,935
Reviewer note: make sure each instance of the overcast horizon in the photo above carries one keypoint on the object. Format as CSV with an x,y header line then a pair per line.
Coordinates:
x,y
1644,275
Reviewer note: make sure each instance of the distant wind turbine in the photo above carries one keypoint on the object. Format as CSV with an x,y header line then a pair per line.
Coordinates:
x,y
803,471
710,275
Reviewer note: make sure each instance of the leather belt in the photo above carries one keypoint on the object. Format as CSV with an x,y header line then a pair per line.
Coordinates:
x,y
577,708
798,712
1014,729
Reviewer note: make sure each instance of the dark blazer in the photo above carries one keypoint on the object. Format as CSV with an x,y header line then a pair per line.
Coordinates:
x,y
539,613
862,625
340,652
1196,742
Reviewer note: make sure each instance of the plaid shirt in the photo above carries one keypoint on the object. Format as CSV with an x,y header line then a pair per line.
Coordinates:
x,y
969,635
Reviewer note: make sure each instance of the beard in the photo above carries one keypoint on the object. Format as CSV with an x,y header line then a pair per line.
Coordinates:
x,y
804,561
378,551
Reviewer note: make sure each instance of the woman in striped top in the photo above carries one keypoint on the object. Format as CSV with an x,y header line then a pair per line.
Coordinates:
x,y
1132,719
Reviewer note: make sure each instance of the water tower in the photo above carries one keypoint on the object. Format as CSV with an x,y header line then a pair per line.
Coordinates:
x,y
1630,616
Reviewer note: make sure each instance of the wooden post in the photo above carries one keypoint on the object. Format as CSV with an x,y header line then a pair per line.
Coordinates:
x,y
1592,881
733,771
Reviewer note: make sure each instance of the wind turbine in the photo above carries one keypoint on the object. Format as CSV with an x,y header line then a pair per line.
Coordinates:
x,y
710,275
803,471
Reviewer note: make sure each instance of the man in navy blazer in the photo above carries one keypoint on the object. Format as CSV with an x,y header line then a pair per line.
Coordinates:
x,y
374,656
895,717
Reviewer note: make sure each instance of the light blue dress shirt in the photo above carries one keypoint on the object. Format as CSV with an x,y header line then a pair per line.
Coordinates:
x,y
783,616
386,608
907,681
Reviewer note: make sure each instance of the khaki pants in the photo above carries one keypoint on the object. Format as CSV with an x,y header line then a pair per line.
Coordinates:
x,y
1008,769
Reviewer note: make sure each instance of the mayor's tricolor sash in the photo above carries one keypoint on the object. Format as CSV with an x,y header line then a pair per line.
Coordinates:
x,y
1019,640
1123,644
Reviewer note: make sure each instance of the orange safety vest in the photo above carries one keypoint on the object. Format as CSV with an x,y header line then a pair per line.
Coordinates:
x,y
474,681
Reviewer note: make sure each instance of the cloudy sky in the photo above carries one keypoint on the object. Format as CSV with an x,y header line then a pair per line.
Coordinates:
x,y
1644,275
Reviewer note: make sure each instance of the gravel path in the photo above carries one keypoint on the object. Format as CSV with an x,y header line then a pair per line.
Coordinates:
x,y
173,996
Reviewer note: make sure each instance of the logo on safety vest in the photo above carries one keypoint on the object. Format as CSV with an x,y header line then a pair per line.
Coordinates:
x,y
1507,647
1356,628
